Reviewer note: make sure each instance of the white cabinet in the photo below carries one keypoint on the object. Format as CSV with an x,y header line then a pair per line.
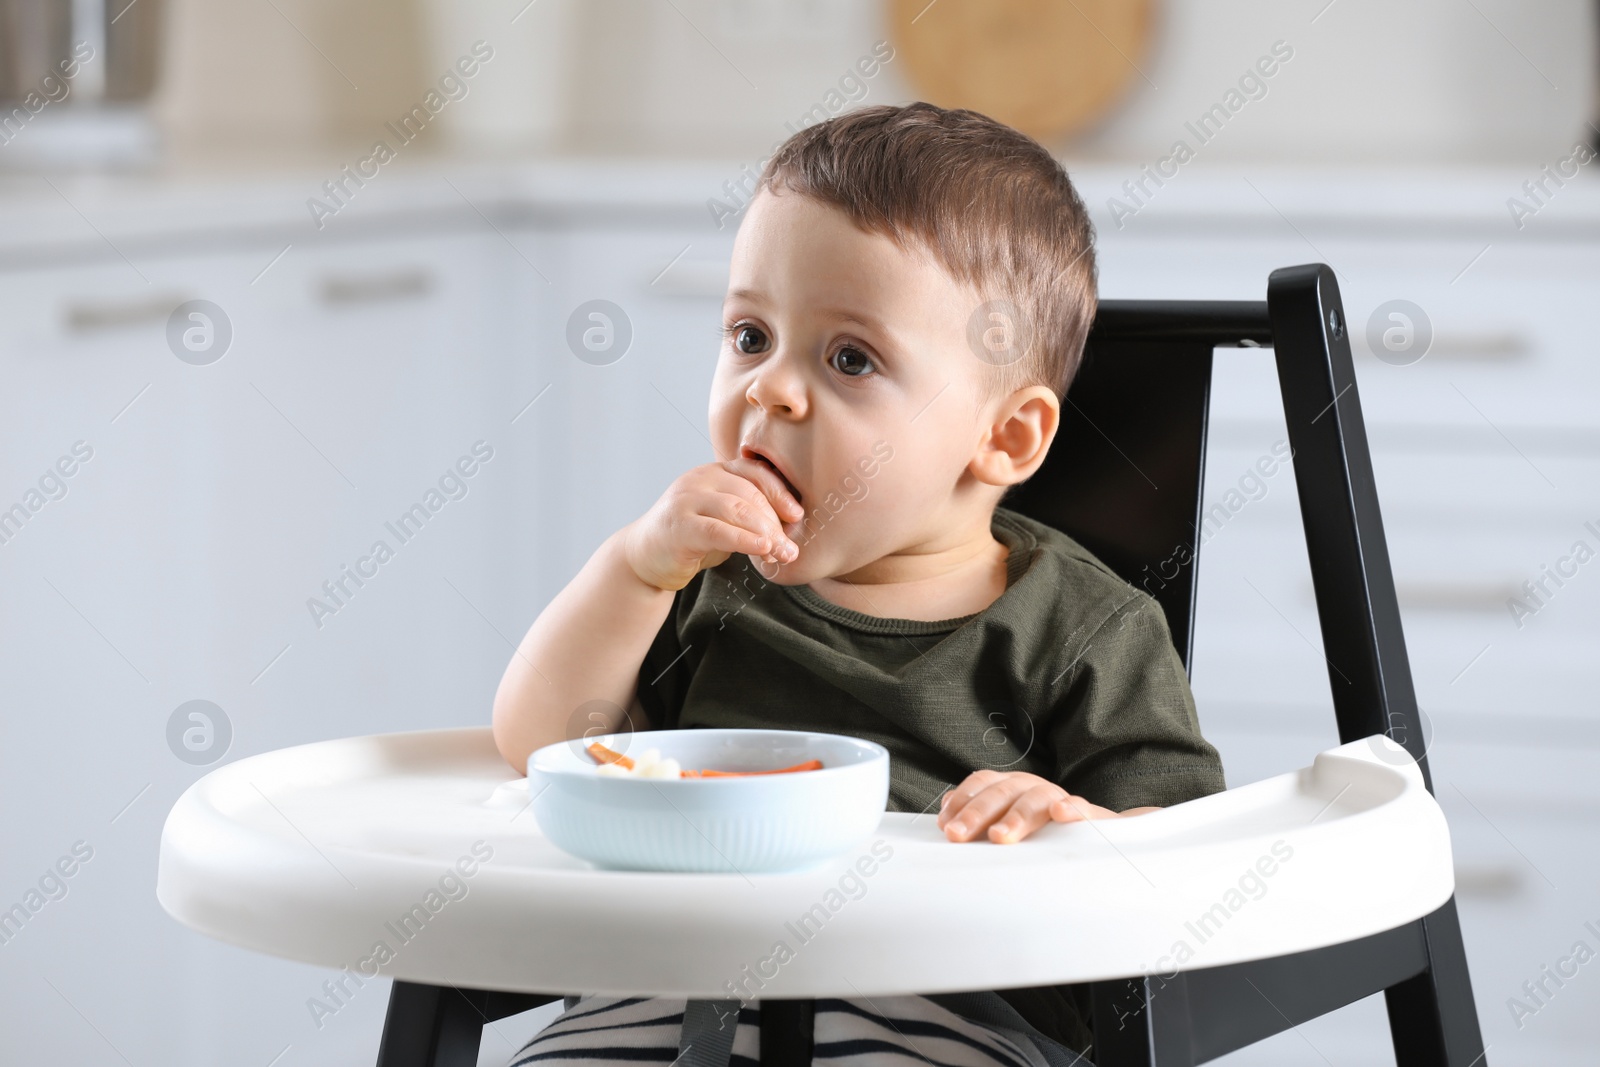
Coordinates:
x,y
178,565
367,372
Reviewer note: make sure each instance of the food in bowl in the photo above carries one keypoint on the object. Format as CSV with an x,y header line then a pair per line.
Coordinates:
x,y
742,809
651,765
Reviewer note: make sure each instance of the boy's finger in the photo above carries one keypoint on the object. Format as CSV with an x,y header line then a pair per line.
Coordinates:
x,y
973,817
956,799
751,482
772,487
751,513
1076,809
715,534
745,484
1028,812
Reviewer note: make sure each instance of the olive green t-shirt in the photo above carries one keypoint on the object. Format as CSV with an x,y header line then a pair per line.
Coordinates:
x,y
1070,675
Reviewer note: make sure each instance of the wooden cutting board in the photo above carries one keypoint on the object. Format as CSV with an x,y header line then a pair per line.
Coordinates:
x,y
1051,68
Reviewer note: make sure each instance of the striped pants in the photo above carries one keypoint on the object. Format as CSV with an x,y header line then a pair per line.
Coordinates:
x,y
606,1031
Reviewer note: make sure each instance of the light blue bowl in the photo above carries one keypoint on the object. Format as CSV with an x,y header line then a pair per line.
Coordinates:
x,y
771,822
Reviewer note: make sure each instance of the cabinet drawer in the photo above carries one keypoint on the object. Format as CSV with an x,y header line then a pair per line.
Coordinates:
x,y
1512,343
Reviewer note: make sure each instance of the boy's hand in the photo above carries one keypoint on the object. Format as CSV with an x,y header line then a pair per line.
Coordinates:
x,y
707,515
1010,805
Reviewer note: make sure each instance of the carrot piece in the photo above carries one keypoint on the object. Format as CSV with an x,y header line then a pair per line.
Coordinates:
x,y
808,765
602,754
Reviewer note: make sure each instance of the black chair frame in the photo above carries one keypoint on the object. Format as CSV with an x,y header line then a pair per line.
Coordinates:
x,y
1133,496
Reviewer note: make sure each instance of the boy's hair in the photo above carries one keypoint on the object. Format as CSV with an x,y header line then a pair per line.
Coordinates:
x,y
991,205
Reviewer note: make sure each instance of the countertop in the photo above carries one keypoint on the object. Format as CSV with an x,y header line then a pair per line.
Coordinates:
x,y
49,219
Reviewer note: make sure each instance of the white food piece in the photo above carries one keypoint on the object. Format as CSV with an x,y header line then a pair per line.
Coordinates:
x,y
648,764
667,768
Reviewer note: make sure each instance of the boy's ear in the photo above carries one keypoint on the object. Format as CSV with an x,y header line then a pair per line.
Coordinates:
x,y
1018,439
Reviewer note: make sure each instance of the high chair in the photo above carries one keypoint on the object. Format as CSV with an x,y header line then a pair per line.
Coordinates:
x,y
1370,906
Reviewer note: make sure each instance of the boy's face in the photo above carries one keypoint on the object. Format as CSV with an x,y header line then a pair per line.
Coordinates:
x,y
846,365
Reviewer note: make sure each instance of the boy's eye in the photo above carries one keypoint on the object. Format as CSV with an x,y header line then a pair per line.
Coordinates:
x,y
749,340
851,362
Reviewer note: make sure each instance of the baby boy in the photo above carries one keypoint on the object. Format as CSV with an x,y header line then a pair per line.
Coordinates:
x,y
909,295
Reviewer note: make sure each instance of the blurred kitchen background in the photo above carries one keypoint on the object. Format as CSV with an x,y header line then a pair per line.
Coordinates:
x,y
253,339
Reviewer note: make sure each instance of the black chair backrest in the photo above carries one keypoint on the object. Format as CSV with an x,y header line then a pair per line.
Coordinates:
x,y
1125,474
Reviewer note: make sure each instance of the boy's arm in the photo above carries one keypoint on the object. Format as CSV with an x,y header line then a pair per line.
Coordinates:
x,y
585,646
589,641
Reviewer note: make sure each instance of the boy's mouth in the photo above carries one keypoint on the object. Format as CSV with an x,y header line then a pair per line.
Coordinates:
x,y
751,454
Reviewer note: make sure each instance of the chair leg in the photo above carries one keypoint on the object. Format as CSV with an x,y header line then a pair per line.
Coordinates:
x,y
1142,1022
431,1026
1121,1036
787,1031
1432,1016
1199,1015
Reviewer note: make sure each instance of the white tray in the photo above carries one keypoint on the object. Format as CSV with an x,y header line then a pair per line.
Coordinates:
x,y
315,853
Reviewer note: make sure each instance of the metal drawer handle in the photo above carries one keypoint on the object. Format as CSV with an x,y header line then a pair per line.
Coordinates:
x,y
1504,347
344,290
1487,347
692,278
1497,881
94,316
1455,596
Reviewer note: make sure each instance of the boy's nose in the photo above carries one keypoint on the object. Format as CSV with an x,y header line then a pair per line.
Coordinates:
x,y
776,390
